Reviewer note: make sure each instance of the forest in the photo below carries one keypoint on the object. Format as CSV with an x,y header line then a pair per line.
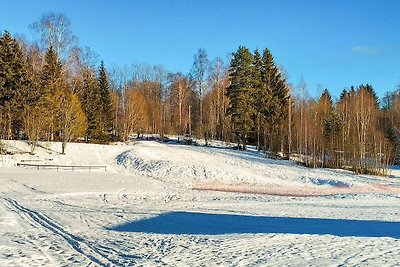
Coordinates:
x,y
53,90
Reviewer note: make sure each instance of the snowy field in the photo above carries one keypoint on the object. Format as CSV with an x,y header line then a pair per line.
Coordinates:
x,y
143,211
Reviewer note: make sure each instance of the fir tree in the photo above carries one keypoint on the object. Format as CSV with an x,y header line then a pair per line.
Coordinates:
x,y
14,82
51,78
241,94
371,91
52,87
272,97
259,95
343,95
91,103
106,108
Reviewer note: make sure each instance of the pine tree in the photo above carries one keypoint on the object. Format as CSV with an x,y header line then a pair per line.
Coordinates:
x,y
240,93
14,82
106,107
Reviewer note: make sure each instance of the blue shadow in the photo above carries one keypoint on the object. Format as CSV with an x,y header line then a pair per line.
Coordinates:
x,y
178,223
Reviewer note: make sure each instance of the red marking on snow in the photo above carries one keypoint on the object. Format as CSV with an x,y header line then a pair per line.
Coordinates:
x,y
305,191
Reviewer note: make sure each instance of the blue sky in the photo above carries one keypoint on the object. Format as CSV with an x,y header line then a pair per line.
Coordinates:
x,y
331,44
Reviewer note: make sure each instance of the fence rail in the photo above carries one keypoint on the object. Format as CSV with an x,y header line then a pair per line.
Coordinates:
x,y
56,166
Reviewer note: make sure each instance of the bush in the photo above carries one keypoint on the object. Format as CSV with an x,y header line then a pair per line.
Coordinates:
x,y
3,150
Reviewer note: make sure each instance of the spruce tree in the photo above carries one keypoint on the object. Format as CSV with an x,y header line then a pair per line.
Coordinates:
x,y
106,108
343,95
51,78
241,94
52,87
91,103
371,91
260,96
271,96
14,82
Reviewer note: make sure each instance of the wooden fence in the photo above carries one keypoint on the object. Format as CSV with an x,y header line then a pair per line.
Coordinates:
x,y
63,167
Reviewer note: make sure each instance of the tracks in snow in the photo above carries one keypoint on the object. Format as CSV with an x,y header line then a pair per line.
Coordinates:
x,y
78,244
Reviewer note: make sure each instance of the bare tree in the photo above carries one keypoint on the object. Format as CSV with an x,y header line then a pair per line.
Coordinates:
x,y
199,74
35,122
54,30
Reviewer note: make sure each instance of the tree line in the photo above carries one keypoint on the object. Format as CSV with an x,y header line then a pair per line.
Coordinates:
x,y
57,91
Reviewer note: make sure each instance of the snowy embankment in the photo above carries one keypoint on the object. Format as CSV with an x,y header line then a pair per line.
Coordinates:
x,y
225,169
143,211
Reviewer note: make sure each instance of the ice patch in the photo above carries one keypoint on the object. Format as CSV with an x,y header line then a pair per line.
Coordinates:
x,y
333,183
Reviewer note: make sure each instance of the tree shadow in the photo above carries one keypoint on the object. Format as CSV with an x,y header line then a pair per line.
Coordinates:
x,y
178,223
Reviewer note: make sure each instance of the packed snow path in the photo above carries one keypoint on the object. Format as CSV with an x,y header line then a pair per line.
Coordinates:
x,y
142,211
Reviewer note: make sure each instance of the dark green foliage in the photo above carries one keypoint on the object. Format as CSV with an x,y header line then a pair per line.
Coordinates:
x,y
343,95
90,103
332,125
97,104
14,82
272,95
258,97
241,94
106,107
51,78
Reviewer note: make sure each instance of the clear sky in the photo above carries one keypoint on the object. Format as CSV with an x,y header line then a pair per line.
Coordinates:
x,y
330,43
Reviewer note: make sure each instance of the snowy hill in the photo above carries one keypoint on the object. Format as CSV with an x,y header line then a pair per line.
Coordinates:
x,y
143,209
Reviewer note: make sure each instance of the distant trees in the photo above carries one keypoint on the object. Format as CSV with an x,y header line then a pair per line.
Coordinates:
x,y
57,91
390,120
349,134
134,118
216,101
346,135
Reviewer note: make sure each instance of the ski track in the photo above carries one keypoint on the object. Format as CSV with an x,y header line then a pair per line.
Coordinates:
x,y
78,244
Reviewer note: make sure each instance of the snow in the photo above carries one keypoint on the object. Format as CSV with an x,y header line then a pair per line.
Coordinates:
x,y
143,210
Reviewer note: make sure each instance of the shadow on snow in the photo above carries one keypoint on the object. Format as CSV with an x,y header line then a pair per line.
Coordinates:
x,y
217,224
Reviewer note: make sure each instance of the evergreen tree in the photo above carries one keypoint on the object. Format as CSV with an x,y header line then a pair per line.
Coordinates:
x,y
371,92
14,82
106,107
241,94
328,123
51,78
272,97
52,87
91,103
259,94
343,95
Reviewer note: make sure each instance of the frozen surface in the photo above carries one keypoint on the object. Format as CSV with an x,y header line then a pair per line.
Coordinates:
x,y
143,211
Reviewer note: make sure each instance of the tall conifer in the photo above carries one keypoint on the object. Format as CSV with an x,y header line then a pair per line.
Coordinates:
x,y
107,114
14,82
241,94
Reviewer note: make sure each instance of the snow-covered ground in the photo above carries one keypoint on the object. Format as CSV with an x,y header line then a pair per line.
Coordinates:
x,y
143,210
